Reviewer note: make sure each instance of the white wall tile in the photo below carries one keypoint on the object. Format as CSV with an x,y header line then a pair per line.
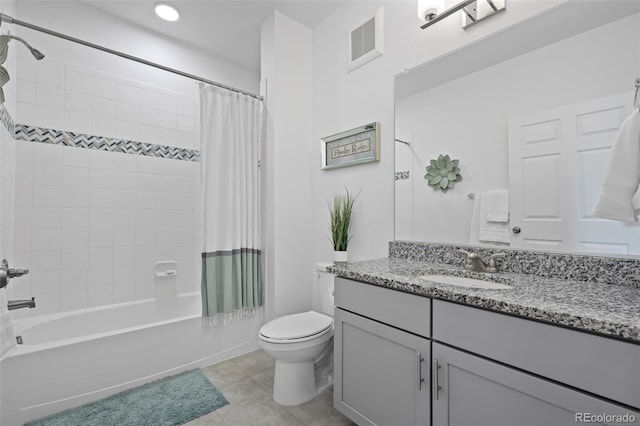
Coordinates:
x,y
75,218
167,120
146,218
46,304
46,239
75,238
75,197
101,179
124,162
75,176
23,217
46,218
77,102
123,293
22,239
100,218
148,134
77,157
124,237
124,199
25,114
50,75
124,181
47,196
45,260
103,88
145,236
186,107
148,116
101,126
44,153
99,296
126,130
50,96
124,256
126,92
26,68
101,198
23,196
101,237
145,254
45,282
147,98
124,218
125,275
102,159
146,200
77,122
102,107
146,182
47,175
25,91
75,279
77,81
100,257
126,112
73,299
75,259
186,124
48,117
146,164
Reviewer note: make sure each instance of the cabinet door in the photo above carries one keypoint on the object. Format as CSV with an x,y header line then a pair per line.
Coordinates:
x,y
381,373
476,392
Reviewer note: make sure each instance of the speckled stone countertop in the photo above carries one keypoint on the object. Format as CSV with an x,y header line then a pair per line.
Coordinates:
x,y
607,309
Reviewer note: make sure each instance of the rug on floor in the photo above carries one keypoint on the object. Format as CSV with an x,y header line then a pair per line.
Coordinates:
x,y
173,400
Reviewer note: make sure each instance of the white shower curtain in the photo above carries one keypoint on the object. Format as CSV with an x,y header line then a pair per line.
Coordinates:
x,y
231,138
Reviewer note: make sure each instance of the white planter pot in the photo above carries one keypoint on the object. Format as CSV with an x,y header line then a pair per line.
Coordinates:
x,y
340,256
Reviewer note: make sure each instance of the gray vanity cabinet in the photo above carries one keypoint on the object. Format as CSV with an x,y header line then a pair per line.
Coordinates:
x,y
474,391
382,370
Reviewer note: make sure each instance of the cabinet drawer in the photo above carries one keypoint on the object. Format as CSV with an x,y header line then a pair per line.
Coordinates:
x,y
603,366
402,310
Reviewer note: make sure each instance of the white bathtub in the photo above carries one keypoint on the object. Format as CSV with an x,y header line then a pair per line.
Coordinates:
x,y
76,357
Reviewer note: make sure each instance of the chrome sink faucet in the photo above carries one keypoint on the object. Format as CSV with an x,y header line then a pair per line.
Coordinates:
x,y
476,264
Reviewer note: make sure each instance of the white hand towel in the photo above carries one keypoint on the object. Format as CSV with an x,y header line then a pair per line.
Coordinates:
x,y
481,231
622,175
7,338
498,205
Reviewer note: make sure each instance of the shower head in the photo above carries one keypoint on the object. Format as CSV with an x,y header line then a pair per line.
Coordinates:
x,y
35,52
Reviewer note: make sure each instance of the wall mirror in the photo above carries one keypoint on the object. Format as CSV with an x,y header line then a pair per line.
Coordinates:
x,y
533,108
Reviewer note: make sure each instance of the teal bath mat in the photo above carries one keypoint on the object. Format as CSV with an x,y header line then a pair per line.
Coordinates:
x,y
173,400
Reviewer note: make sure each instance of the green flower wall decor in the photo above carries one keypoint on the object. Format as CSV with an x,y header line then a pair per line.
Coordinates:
x,y
443,173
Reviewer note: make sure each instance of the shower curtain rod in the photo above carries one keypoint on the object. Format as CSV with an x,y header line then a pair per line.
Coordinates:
x,y
10,20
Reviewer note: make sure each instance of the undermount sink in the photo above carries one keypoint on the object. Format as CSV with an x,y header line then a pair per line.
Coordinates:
x,y
464,282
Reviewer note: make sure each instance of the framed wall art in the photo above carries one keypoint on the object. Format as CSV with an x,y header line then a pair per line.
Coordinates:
x,y
355,146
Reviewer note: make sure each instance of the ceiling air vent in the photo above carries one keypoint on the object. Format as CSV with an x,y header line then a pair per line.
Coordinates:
x,y
365,42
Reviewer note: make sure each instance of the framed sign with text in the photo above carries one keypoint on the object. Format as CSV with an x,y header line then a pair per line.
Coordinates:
x,y
355,146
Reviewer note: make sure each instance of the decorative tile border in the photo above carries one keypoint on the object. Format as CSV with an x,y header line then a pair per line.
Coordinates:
x,y
404,175
80,140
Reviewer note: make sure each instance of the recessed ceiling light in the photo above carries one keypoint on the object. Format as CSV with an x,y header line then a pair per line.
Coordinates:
x,y
166,12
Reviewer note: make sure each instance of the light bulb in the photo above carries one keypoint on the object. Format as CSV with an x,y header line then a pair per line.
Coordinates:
x,y
428,9
166,12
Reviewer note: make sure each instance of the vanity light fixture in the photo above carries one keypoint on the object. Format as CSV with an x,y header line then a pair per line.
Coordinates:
x,y
474,11
166,12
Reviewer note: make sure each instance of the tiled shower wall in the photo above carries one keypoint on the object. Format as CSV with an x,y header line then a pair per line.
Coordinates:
x,y
90,224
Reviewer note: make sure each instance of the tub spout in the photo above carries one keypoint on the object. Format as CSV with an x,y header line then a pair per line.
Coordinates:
x,y
19,304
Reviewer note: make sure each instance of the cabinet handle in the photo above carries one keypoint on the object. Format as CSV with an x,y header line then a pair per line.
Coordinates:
x,y
436,386
420,379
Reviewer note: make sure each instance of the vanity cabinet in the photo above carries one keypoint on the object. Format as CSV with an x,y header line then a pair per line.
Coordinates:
x,y
382,370
473,391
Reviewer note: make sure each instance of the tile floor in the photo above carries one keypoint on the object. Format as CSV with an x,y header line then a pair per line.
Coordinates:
x,y
247,383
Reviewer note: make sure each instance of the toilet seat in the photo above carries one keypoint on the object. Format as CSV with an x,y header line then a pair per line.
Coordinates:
x,y
296,328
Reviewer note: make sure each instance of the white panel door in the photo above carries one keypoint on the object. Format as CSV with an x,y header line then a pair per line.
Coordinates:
x,y
557,160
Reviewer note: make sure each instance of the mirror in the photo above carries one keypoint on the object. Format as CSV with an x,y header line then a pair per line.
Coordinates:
x,y
508,111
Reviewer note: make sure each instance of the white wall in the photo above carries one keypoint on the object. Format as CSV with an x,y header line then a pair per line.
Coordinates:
x,y
286,72
345,100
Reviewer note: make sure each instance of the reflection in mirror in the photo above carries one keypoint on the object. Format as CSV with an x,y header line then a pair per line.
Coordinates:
x,y
540,125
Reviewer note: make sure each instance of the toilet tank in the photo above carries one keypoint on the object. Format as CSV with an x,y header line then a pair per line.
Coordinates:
x,y
324,282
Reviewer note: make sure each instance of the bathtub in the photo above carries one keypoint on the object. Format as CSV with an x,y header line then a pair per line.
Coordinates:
x,y
72,358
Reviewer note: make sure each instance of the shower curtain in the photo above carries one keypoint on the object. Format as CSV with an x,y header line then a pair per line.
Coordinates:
x,y
231,137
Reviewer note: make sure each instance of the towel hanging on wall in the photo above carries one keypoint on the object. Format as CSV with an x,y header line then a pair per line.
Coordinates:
x,y
622,175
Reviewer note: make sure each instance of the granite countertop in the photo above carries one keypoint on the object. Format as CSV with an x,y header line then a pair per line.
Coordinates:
x,y
606,309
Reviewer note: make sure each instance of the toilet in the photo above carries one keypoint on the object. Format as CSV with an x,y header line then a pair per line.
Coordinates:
x,y
302,345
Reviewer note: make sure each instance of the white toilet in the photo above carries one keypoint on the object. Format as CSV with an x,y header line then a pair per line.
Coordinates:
x,y
302,345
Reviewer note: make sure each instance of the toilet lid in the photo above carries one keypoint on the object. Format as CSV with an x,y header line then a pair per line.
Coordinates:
x,y
296,326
